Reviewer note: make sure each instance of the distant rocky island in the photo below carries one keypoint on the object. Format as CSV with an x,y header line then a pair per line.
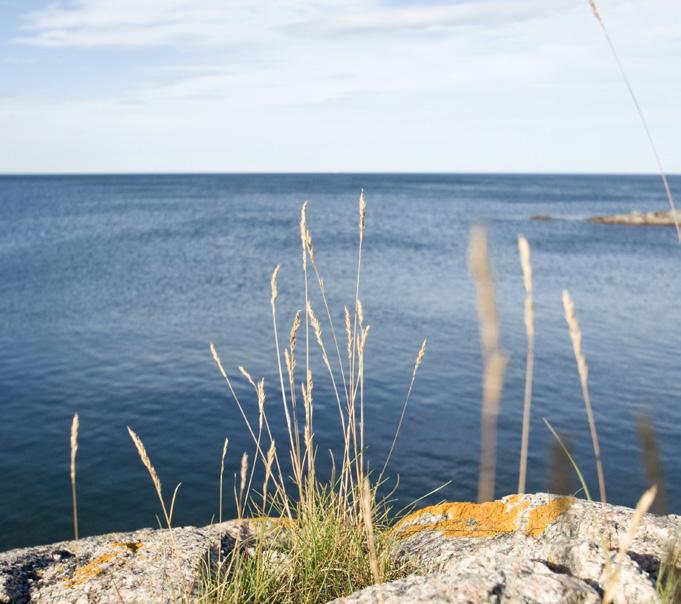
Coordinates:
x,y
634,218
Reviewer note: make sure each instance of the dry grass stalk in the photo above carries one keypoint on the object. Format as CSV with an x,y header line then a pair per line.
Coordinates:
x,y
366,499
256,440
242,484
362,213
310,250
74,449
493,359
492,389
221,369
304,236
290,356
525,263
268,474
273,300
559,473
247,375
222,472
583,371
314,321
308,434
652,462
352,436
612,578
146,461
362,222
348,333
292,334
653,146
419,359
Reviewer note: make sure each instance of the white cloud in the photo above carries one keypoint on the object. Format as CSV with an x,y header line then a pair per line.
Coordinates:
x,y
83,23
293,85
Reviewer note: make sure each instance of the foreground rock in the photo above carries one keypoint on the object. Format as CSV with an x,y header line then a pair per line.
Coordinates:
x,y
531,549
138,567
640,218
525,549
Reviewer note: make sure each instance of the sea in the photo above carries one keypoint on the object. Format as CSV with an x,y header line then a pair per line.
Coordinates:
x,y
112,288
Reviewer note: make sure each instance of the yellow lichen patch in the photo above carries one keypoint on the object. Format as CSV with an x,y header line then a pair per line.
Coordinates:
x,y
133,546
96,567
541,516
463,519
92,569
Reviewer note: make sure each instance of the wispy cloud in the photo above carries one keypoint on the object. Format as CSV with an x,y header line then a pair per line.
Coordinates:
x,y
83,23
294,84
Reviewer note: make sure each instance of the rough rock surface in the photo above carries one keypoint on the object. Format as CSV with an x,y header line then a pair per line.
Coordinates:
x,y
639,218
530,549
139,567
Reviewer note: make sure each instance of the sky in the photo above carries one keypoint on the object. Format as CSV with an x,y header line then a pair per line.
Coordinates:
x,y
336,86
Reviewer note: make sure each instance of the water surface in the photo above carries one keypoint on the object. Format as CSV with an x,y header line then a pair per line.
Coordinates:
x,y
111,288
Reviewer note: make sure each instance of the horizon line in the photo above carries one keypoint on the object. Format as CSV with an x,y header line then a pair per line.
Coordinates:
x,y
326,173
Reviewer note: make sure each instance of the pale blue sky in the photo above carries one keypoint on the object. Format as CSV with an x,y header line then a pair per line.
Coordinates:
x,y
335,85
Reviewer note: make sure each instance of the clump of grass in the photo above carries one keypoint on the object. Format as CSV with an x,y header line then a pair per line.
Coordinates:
x,y
324,537
328,551
668,583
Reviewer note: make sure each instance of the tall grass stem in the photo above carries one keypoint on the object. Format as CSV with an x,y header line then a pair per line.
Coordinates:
x,y
494,360
583,371
526,265
74,449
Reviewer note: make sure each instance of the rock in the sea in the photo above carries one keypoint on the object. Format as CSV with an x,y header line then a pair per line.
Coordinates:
x,y
640,218
530,549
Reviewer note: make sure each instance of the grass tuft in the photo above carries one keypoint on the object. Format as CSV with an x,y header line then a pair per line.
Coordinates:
x,y
324,538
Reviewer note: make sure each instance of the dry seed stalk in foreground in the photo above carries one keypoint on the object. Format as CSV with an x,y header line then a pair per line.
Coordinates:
x,y
222,471
524,250
652,462
144,456
493,358
642,507
366,499
74,450
419,359
583,370
242,484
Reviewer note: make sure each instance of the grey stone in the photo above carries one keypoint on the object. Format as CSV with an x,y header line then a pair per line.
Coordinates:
x,y
526,549
146,566
530,549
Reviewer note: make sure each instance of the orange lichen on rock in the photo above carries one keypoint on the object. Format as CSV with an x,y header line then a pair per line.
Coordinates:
x,y
464,519
133,546
96,567
544,515
92,569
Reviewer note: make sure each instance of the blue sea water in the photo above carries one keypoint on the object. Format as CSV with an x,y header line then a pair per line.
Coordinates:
x,y
112,287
